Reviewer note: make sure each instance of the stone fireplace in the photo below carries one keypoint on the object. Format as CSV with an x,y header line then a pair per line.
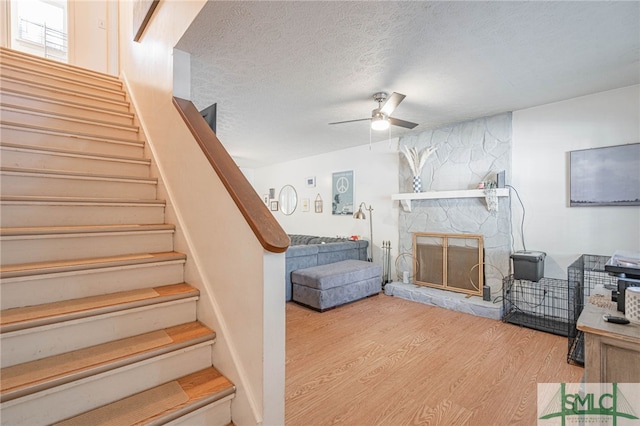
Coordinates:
x,y
467,153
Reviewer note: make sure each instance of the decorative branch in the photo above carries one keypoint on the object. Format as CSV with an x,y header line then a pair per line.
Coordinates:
x,y
417,159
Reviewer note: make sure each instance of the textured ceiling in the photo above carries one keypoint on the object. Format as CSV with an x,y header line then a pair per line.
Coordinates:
x,y
281,71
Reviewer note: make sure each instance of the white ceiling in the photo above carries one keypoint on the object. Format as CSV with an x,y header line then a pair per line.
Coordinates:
x,y
281,71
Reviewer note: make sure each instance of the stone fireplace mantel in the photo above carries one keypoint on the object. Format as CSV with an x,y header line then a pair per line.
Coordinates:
x,y
406,198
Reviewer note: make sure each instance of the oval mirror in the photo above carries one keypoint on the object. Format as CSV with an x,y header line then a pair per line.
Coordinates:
x,y
288,199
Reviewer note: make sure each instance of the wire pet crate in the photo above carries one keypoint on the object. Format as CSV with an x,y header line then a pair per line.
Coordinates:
x,y
542,305
584,274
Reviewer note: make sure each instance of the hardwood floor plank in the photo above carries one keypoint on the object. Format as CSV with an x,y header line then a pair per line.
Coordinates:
x,y
389,361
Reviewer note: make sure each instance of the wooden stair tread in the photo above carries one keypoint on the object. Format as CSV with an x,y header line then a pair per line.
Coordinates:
x,y
52,100
198,389
37,268
76,200
34,316
81,229
66,117
66,133
78,175
39,87
19,55
110,87
77,154
34,376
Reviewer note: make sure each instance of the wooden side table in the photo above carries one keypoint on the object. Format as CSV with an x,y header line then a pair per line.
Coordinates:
x,y
612,351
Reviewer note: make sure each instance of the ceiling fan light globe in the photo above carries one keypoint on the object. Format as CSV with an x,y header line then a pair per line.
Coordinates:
x,y
379,123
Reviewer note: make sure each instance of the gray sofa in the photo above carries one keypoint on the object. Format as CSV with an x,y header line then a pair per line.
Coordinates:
x,y
306,251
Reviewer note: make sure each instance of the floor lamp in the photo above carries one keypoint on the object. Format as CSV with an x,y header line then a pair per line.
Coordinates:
x,y
360,215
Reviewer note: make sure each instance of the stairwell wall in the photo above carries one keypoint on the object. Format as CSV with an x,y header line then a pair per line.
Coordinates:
x,y
242,298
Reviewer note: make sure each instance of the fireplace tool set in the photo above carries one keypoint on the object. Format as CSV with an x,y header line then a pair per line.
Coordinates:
x,y
386,263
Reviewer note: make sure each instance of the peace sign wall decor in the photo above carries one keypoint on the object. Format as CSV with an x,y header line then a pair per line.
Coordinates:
x,y
342,191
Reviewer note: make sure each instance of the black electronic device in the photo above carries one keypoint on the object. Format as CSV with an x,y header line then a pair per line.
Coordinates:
x,y
615,320
210,115
500,179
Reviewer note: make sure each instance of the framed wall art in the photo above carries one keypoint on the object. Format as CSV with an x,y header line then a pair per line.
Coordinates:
x,y
342,193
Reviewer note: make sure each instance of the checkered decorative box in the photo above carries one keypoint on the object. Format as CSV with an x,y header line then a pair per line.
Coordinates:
x,y
632,304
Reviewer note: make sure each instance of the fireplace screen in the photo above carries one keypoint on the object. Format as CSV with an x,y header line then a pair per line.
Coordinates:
x,y
449,261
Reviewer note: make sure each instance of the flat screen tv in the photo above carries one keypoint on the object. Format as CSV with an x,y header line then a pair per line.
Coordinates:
x,y
608,176
210,115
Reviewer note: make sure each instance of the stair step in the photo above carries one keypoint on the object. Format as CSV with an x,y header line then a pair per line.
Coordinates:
x,y
67,123
81,265
49,66
56,183
50,390
34,376
47,244
53,105
56,281
38,315
19,211
28,135
18,83
34,157
164,403
65,334
60,82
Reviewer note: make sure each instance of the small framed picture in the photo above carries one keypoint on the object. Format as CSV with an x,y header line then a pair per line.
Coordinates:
x,y
272,193
274,205
311,182
305,204
318,204
265,199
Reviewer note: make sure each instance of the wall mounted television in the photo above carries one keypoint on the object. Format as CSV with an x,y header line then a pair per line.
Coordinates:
x,y
607,176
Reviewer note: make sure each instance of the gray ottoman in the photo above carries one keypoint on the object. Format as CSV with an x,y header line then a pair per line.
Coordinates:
x,y
327,286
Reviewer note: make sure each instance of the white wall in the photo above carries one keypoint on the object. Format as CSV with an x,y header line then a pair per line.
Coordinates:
x,y
241,290
91,35
376,178
542,139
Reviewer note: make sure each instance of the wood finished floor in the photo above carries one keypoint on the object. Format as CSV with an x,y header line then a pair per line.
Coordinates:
x,y
389,361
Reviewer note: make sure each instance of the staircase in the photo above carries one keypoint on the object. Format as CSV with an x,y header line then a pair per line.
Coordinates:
x,y
97,325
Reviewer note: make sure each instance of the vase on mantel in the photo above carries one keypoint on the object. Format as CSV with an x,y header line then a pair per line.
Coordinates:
x,y
416,160
417,184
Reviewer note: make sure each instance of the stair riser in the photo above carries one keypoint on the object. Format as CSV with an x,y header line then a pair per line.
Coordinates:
x,y
27,345
69,400
13,184
64,94
217,413
22,136
39,289
61,70
42,104
20,215
69,125
10,157
17,250
32,77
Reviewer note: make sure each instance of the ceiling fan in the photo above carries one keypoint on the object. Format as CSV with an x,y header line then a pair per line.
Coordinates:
x,y
380,117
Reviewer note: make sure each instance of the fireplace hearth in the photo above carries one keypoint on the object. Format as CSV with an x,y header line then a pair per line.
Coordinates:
x,y
458,302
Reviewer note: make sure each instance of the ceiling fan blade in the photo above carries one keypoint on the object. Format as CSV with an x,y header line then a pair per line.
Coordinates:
x,y
351,121
392,103
402,123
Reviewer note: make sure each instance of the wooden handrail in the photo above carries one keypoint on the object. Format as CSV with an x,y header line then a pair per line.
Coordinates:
x,y
268,231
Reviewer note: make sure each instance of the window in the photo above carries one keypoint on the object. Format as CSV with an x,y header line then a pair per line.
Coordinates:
x,y
39,27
